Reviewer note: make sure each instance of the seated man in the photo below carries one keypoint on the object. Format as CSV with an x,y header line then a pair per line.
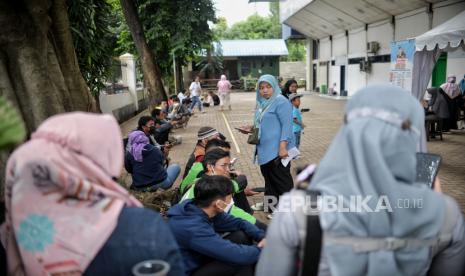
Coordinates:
x,y
178,113
204,135
217,162
198,226
146,164
162,126
146,124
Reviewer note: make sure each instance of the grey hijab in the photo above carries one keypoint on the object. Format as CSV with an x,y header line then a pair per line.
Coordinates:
x,y
373,157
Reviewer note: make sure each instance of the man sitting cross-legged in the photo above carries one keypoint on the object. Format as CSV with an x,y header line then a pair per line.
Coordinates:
x,y
211,241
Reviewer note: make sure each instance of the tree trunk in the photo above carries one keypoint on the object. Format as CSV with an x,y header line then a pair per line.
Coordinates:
x,y
39,72
152,72
179,78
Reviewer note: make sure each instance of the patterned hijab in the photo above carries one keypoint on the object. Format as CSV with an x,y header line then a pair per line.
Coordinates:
x,y
62,203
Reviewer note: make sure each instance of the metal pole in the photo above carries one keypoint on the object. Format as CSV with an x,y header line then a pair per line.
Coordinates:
x,y
175,77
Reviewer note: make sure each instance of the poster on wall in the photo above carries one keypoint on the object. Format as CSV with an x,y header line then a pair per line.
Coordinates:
x,y
402,63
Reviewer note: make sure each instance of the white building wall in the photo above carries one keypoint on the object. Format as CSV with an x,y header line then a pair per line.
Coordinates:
x,y
411,24
456,63
325,49
339,45
406,26
444,11
357,43
355,79
381,32
379,73
111,102
322,75
334,77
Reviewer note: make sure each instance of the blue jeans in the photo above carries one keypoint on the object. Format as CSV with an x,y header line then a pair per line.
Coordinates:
x,y
297,138
172,172
140,234
196,101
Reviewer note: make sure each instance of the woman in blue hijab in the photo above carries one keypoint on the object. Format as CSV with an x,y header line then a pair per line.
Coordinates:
x,y
273,118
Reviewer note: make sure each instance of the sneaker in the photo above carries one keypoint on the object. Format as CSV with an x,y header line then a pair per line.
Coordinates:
x,y
258,206
270,216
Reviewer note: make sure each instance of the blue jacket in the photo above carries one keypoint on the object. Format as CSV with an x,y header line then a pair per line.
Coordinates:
x,y
276,126
148,172
199,241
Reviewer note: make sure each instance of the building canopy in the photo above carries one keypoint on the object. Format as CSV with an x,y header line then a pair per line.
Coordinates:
x,y
252,47
448,35
321,18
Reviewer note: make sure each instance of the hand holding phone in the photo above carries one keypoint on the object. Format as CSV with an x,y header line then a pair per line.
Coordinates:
x,y
427,168
245,129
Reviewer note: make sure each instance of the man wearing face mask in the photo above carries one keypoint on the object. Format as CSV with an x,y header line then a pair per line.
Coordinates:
x,y
146,124
197,226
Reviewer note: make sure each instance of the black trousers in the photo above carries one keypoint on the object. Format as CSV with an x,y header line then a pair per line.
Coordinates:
x,y
240,200
224,269
278,179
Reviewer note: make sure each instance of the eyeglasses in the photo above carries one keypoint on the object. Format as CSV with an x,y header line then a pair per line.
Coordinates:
x,y
225,165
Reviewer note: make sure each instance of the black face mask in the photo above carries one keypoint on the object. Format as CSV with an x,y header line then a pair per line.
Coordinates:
x,y
152,130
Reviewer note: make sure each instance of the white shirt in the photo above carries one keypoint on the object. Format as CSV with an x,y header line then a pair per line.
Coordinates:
x,y
195,89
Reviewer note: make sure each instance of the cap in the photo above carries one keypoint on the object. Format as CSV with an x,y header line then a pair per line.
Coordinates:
x,y
293,96
205,132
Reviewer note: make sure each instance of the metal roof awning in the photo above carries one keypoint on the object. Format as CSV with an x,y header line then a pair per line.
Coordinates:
x,y
321,18
252,47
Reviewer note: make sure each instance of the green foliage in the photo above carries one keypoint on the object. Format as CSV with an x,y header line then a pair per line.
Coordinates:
x,y
124,41
297,51
255,27
176,26
12,129
211,64
91,24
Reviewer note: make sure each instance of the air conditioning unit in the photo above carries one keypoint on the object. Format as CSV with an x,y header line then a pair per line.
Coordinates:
x,y
372,47
365,66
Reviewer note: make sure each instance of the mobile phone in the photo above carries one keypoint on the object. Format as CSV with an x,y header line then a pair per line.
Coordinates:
x,y
259,189
427,168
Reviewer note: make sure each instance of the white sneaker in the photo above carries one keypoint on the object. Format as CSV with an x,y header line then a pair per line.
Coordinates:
x,y
258,206
270,216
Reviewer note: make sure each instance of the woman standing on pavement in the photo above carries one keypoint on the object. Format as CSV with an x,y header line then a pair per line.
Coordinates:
x,y
224,87
274,136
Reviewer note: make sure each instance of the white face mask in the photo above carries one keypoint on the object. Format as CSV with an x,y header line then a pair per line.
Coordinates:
x,y
228,206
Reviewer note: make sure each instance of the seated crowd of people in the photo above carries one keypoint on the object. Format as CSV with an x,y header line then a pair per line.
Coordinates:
x,y
67,214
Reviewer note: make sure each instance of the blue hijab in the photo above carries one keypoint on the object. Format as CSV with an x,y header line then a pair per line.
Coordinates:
x,y
262,103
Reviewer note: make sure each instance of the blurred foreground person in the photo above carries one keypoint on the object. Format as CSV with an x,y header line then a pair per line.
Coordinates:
x,y
66,215
373,156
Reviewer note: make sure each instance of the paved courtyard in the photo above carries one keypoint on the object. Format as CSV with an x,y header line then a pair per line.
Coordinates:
x,y
322,123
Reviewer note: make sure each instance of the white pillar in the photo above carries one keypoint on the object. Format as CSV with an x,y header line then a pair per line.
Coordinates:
x,y
128,73
309,64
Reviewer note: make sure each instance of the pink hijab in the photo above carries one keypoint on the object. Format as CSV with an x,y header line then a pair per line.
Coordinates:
x,y
61,201
224,85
